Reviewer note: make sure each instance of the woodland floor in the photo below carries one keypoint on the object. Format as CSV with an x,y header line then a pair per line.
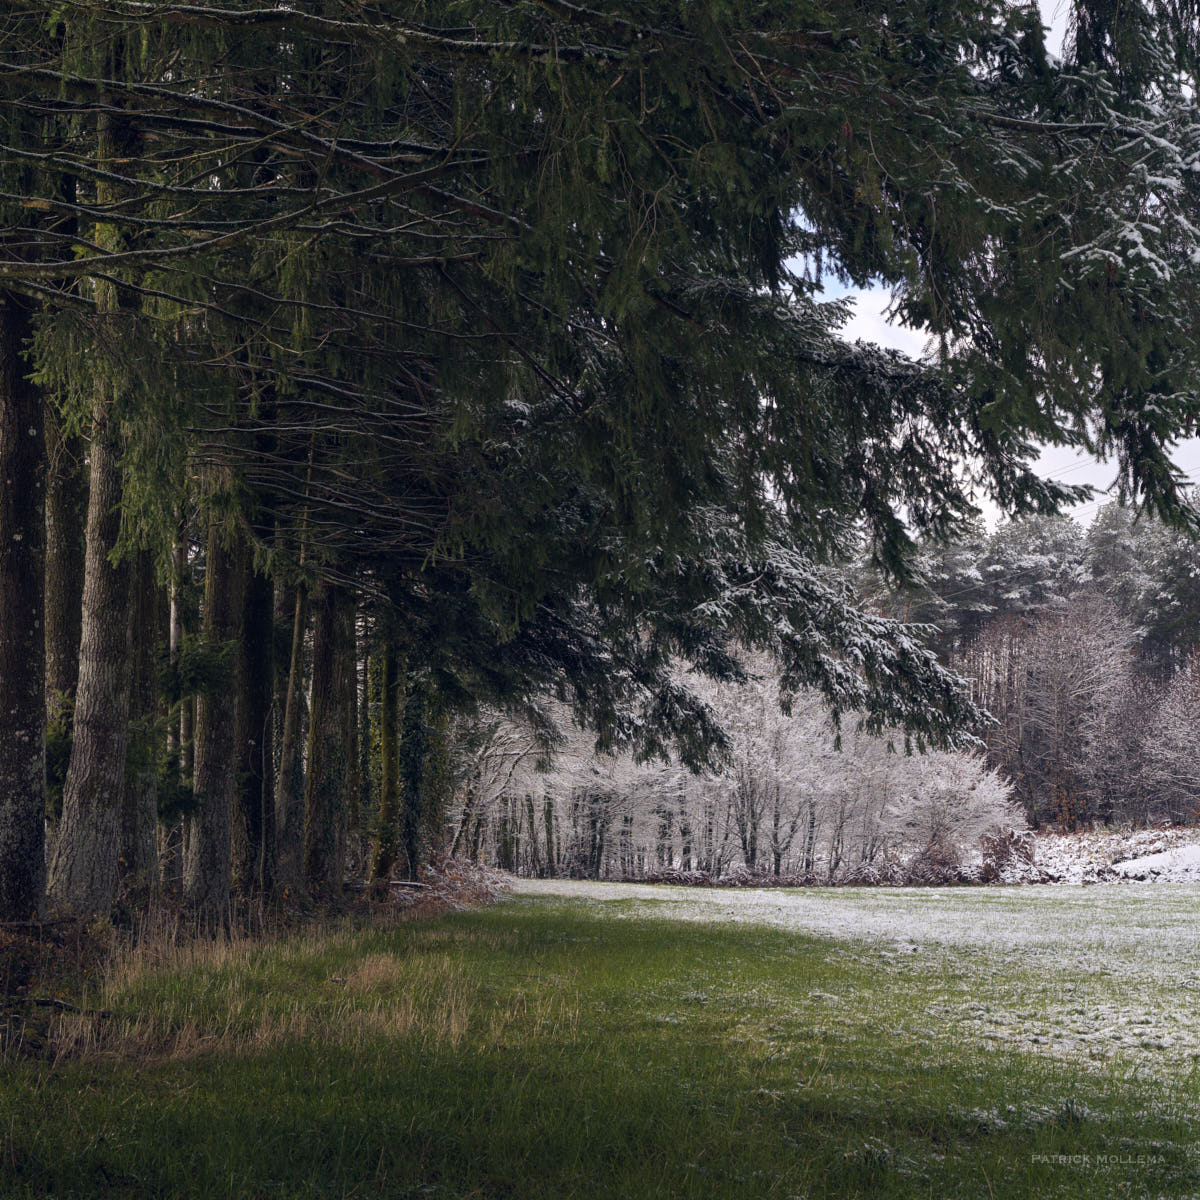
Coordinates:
x,y
616,1041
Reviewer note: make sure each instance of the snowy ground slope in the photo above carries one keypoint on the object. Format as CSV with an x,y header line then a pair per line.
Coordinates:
x,y
1108,974
1161,855
1181,863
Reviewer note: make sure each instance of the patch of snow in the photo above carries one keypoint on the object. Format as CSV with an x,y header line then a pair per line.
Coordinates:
x,y
1181,865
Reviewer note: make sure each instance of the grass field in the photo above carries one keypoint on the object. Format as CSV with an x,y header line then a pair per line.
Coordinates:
x,y
584,1041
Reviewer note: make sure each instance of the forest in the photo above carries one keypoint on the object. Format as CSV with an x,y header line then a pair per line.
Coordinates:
x,y
444,504
378,382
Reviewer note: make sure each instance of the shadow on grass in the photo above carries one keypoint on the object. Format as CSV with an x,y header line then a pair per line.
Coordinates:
x,y
697,1063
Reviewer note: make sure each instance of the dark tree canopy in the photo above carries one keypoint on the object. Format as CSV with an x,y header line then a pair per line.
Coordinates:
x,y
511,314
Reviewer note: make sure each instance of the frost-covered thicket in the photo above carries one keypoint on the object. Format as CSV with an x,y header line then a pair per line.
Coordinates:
x,y
793,799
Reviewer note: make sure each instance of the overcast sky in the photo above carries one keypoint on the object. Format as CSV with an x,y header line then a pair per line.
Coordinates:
x,y
1056,462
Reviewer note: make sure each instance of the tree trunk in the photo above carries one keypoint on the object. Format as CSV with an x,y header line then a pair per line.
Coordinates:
x,y
535,866
179,566
172,836
66,546
387,845
83,874
329,742
139,819
437,782
207,868
354,781
413,754
22,645
254,828
468,811
289,787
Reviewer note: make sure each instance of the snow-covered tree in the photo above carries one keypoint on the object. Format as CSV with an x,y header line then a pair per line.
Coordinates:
x,y
1173,758
794,796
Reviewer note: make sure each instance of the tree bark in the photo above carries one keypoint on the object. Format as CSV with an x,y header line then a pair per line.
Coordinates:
x,y
330,743
66,546
207,869
22,639
83,874
354,781
436,781
387,843
139,822
254,827
172,839
414,748
179,566
289,787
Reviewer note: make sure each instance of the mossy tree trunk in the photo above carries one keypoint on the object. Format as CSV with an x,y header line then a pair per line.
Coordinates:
x,y
22,644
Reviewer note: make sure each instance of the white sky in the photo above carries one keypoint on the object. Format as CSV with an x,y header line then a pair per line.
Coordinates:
x,y
1060,463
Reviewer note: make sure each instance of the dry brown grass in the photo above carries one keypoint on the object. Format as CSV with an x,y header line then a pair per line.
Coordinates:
x,y
173,997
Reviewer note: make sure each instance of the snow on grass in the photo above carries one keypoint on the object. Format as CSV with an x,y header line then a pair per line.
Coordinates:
x,y
1107,975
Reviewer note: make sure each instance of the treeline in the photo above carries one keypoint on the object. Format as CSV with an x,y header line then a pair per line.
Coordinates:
x,y
365,367
1084,645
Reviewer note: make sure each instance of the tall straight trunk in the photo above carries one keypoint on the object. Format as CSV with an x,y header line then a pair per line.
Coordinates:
x,y
330,743
254,827
139,818
436,783
175,636
387,844
354,810
364,745
66,546
22,645
289,786
83,873
171,855
535,865
207,868
414,753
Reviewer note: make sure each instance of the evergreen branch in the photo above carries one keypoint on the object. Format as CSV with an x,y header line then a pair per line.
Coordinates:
x,y
400,35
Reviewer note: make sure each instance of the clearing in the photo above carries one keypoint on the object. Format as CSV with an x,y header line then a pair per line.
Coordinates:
x,y
611,1040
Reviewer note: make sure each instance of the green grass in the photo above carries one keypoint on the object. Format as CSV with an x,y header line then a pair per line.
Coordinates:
x,y
547,1049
